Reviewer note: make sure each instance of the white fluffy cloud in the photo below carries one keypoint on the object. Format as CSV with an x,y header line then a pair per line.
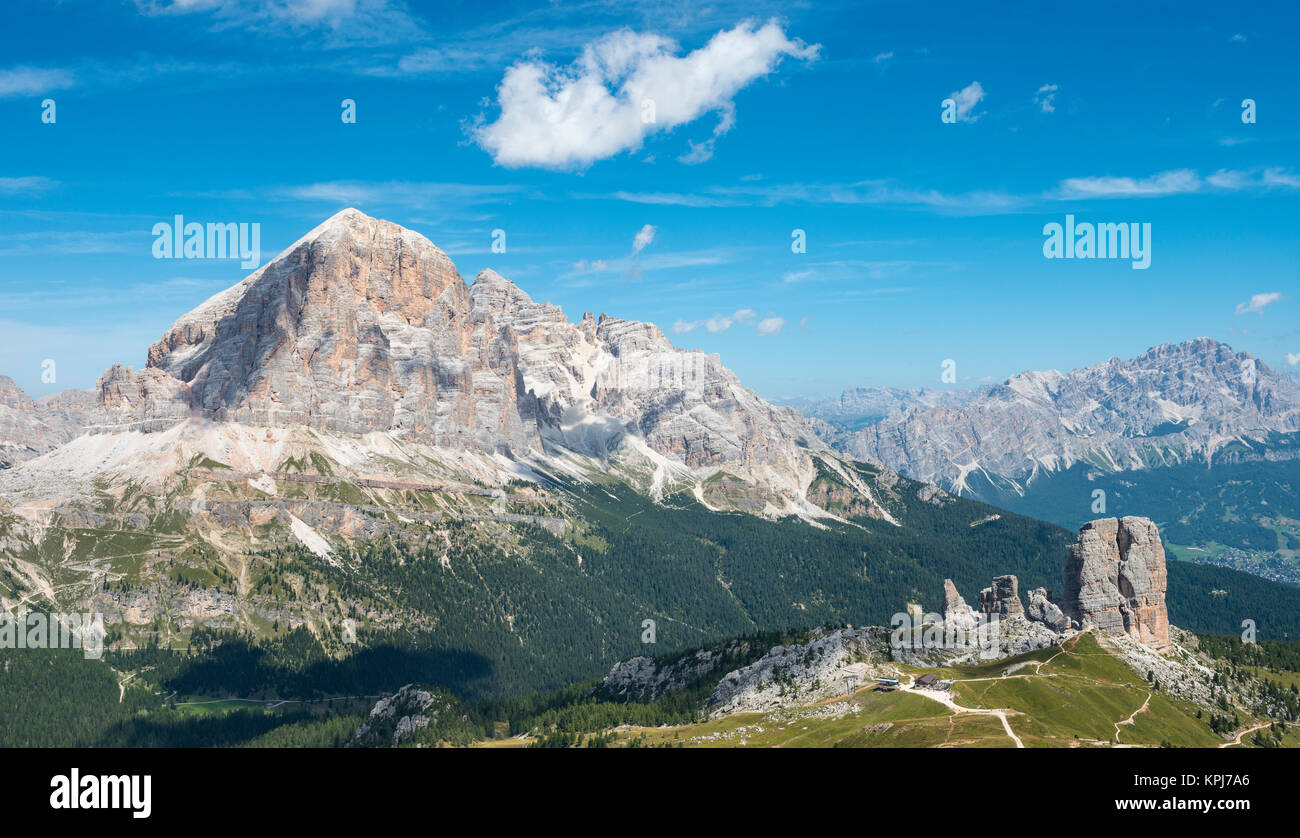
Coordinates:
x,y
721,323
599,106
967,98
1293,358
1258,303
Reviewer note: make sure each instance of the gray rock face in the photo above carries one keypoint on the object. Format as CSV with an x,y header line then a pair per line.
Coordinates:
x,y
1174,404
956,613
629,378
1115,580
645,679
801,672
1041,609
1002,598
29,428
393,721
359,326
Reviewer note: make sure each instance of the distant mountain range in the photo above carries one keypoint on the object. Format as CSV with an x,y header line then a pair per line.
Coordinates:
x,y
1167,433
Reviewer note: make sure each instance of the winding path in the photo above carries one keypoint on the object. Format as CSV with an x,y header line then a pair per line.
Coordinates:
x,y
947,701
1130,719
1244,733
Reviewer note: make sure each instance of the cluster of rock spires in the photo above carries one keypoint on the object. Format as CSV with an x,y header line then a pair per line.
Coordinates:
x,y
1115,581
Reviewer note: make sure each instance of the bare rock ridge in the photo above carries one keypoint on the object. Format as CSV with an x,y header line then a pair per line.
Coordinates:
x,y
29,427
1115,580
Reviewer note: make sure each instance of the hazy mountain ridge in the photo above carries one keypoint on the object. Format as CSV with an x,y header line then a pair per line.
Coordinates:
x,y
859,407
1174,404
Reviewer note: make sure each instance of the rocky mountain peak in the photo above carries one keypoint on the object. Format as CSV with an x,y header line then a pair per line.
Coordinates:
x,y
363,326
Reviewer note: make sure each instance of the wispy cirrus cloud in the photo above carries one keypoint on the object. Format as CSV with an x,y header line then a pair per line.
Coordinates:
x,y
30,185
34,81
406,193
976,202
861,192
1175,182
340,21
1178,182
1258,302
73,242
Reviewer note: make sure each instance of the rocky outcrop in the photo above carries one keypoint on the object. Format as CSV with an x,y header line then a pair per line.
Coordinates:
x,y
644,678
414,715
802,672
1002,598
1115,580
1041,609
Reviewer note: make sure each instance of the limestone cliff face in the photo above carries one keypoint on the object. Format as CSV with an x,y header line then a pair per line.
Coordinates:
x,y
361,325
605,377
1115,580
957,615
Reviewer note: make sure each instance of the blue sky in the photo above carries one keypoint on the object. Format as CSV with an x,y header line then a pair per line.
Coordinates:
x,y
924,237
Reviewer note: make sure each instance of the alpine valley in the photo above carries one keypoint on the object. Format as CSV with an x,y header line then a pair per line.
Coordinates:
x,y
399,502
